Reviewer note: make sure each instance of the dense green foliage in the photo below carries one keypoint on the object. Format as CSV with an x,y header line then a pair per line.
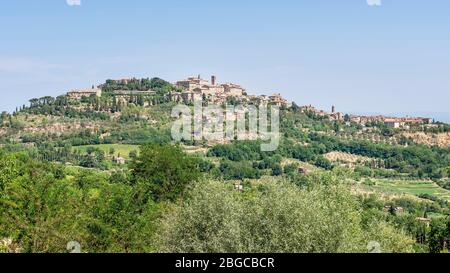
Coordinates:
x,y
275,217
45,206
417,160
163,171
70,171
154,84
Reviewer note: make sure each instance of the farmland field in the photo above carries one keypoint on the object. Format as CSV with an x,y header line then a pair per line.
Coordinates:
x,y
122,150
301,164
346,157
414,187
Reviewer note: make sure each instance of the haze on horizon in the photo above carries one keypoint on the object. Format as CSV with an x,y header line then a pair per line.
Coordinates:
x,y
391,59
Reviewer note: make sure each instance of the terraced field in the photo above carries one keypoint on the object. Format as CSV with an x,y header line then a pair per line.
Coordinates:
x,y
124,149
119,149
413,187
441,140
195,150
301,164
345,157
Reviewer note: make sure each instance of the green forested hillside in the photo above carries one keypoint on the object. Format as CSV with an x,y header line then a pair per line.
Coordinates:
x,y
104,172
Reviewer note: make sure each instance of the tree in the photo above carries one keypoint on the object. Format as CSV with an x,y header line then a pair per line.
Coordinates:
x,y
163,171
34,102
133,154
9,169
277,217
277,170
324,163
437,236
39,212
291,168
235,170
447,233
41,209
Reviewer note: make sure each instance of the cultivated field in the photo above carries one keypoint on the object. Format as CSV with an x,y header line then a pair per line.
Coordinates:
x,y
122,150
301,164
195,150
413,187
441,140
345,157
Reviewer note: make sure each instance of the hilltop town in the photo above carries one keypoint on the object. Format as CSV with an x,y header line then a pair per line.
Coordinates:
x,y
225,171
195,88
113,141
189,90
101,107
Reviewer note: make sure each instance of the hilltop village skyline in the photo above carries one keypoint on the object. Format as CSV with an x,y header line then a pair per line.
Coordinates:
x,y
197,88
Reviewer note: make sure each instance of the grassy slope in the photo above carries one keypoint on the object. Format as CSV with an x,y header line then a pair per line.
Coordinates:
x,y
120,149
413,187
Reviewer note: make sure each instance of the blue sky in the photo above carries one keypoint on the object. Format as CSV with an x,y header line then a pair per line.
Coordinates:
x,y
393,58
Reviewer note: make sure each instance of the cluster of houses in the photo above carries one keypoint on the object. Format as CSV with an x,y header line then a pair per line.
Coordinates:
x,y
321,113
392,122
196,88
87,92
193,89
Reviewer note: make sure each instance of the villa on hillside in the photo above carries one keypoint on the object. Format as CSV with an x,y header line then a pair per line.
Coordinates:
x,y
134,92
232,89
392,122
79,93
278,100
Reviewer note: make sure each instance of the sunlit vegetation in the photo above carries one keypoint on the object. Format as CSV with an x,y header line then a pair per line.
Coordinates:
x,y
104,171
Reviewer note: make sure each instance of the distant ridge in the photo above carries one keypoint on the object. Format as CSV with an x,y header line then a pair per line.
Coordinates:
x,y
437,116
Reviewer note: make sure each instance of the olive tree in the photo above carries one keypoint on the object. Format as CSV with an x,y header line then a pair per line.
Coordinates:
x,y
275,216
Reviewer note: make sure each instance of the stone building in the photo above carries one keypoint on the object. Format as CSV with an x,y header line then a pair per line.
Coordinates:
x,y
278,100
232,89
199,85
134,92
393,123
196,87
191,96
79,93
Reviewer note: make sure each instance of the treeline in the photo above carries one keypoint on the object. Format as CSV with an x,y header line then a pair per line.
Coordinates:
x,y
431,234
64,148
44,206
92,107
62,106
163,205
438,128
251,160
416,160
102,136
146,84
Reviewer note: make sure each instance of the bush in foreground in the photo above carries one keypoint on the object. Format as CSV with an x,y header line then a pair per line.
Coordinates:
x,y
276,217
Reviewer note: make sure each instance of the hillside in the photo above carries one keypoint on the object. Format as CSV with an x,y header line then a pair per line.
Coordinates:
x,y
111,149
